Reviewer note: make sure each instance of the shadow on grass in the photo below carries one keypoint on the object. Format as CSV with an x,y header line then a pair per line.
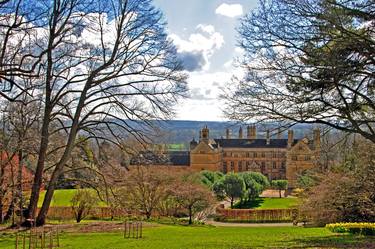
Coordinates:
x,y
249,204
336,241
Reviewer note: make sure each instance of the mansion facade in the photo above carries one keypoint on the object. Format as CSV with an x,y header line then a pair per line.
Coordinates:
x,y
276,158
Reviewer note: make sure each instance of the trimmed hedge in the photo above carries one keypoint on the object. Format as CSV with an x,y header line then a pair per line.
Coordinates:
x,y
363,228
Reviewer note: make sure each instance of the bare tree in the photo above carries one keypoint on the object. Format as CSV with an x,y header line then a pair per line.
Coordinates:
x,y
144,188
308,62
105,69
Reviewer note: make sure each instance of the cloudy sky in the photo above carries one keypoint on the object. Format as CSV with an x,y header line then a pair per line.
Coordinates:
x,y
205,36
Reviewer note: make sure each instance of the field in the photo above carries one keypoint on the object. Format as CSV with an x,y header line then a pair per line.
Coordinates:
x,y
163,236
61,198
269,203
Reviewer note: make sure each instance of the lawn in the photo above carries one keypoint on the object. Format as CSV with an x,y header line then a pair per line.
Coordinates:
x,y
269,203
62,198
212,237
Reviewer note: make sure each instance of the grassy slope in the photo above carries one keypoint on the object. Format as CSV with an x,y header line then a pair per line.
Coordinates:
x,y
61,198
270,203
213,237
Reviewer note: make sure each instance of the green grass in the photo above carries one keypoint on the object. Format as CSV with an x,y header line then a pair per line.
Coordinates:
x,y
62,198
269,203
176,237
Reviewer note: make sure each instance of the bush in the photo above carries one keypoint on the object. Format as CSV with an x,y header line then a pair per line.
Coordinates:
x,y
353,228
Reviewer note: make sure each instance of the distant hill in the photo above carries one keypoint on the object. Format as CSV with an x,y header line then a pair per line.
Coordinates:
x,y
182,132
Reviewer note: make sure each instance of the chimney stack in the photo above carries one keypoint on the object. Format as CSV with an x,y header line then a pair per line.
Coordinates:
x,y
290,138
268,139
279,134
227,134
253,132
317,139
248,128
240,133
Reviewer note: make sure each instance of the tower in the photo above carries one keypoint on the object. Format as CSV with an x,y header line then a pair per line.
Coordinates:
x,y
205,134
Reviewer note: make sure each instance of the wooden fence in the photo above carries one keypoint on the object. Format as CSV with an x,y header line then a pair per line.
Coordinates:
x,y
62,213
256,215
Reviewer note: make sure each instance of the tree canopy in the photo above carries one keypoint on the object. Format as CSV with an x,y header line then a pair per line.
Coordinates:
x,y
308,62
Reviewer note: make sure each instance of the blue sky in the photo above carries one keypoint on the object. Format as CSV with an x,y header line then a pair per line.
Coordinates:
x,y
205,36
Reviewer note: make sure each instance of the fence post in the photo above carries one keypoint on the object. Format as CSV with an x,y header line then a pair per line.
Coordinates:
x,y
24,241
51,239
140,235
16,240
137,231
57,235
124,229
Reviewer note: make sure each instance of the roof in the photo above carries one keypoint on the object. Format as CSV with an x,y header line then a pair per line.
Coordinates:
x,y
173,158
253,143
179,158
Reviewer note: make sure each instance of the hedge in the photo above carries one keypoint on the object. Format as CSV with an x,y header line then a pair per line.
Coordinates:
x,y
364,228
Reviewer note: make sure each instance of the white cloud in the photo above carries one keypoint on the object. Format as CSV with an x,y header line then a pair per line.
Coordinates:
x,y
204,43
204,103
229,10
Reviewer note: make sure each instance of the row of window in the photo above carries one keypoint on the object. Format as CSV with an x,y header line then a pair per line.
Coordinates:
x,y
247,165
305,158
273,154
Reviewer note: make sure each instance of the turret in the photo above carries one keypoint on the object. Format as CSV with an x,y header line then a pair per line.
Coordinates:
x,y
205,134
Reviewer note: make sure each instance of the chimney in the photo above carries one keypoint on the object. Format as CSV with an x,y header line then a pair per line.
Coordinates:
x,y
253,132
268,139
248,132
290,138
317,139
279,134
227,134
240,133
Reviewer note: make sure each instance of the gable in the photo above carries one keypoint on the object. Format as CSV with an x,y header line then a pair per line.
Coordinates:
x,y
202,147
301,146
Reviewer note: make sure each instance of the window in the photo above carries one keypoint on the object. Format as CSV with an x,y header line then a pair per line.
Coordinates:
x,y
263,154
231,166
225,167
283,165
274,165
307,158
240,166
255,155
294,158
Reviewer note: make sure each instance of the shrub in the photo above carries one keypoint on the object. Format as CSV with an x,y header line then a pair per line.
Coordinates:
x,y
353,228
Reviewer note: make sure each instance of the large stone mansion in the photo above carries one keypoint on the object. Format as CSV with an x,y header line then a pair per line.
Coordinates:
x,y
276,158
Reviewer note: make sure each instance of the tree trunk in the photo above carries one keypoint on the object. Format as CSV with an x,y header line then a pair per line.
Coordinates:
x,y
1,210
19,184
38,176
9,212
190,216
63,160
231,202
280,193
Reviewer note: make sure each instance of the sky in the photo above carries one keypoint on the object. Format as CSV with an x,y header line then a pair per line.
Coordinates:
x,y
205,36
